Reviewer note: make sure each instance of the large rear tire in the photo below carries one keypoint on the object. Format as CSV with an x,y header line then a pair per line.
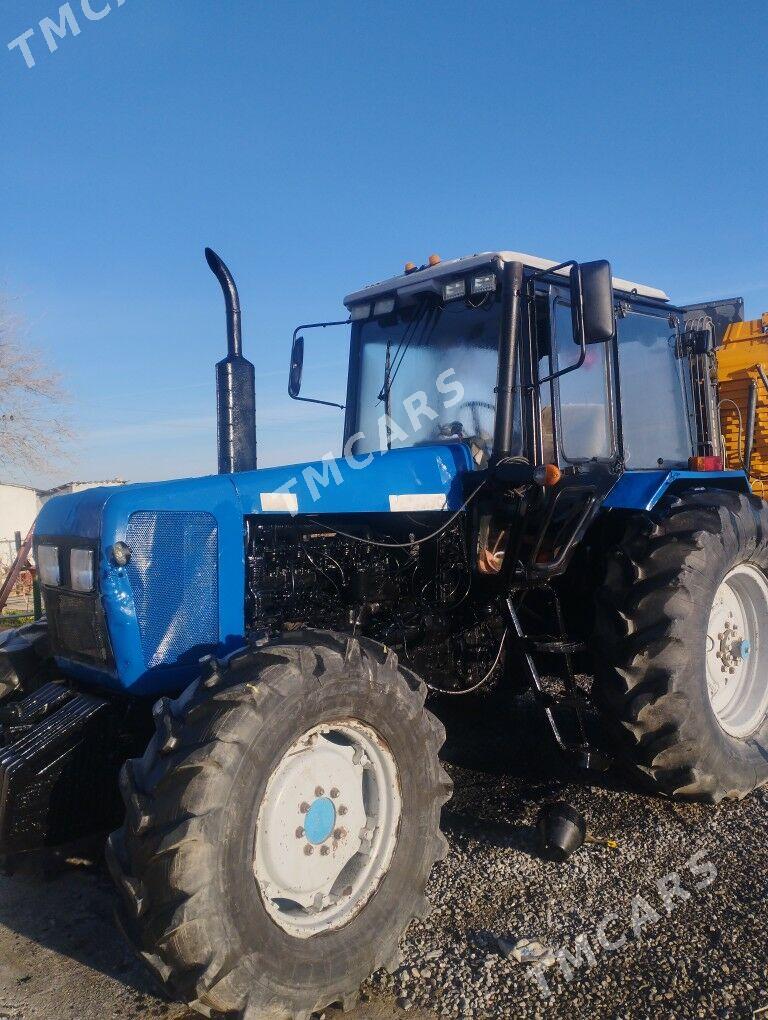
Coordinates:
x,y
281,827
682,645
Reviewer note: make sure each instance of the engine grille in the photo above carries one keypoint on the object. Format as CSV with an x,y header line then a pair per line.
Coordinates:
x,y
77,626
174,578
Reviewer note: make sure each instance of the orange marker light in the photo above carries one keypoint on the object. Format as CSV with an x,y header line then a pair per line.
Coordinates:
x,y
409,267
433,260
547,474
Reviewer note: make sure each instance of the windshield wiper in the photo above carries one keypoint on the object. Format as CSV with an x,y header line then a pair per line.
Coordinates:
x,y
427,319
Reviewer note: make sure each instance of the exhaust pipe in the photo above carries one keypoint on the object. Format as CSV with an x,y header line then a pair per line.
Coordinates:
x,y
235,384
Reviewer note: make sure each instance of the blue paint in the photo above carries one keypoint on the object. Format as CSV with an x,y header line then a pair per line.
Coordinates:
x,y
363,485
104,515
641,490
743,651
319,820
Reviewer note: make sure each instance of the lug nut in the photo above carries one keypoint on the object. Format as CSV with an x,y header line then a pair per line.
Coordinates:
x,y
342,809
309,849
334,793
299,833
324,851
304,807
339,833
319,791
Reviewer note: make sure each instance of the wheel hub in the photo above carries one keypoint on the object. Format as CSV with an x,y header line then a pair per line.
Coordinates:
x,y
737,651
327,827
320,820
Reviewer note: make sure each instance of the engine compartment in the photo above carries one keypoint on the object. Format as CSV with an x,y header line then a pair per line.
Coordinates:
x,y
399,583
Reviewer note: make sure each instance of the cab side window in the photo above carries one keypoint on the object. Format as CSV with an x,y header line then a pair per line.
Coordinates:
x,y
585,424
653,412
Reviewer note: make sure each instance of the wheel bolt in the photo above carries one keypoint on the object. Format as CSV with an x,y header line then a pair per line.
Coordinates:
x,y
319,791
342,809
339,833
731,670
299,833
334,793
304,807
324,851
309,850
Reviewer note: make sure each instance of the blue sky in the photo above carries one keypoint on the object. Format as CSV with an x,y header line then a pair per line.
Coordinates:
x,y
318,147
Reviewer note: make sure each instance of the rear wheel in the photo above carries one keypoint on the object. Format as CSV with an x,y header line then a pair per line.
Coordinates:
x,y
281,827
682,645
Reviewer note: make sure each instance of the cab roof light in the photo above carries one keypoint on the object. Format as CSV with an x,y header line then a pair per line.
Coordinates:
x,y
454,289
384,306
357,312
410,267
433,260
484,283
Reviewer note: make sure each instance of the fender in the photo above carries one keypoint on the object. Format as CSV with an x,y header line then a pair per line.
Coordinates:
x,y
642,490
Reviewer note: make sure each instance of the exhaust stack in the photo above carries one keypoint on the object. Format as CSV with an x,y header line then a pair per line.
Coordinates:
x,y
235,384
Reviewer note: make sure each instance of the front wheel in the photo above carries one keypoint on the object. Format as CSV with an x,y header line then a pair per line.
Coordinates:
x,y
682,645
281,827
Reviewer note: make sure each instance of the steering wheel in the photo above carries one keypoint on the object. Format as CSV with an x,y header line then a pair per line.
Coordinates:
x,y
456,428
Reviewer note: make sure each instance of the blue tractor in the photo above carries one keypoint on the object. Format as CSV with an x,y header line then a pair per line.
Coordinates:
x,y
531,478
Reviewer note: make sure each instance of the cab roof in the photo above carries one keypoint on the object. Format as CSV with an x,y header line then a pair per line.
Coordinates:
x,y
413,282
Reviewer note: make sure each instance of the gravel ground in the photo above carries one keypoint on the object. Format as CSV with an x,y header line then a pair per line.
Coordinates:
x,y
700,956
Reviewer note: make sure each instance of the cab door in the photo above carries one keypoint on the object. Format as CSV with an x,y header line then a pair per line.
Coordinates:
x,y
577,407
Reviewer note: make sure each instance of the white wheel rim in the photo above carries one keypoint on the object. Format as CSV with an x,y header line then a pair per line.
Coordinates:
x,y
737,651
327,827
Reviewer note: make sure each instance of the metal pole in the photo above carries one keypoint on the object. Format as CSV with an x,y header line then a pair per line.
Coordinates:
x,y
512,288
749,438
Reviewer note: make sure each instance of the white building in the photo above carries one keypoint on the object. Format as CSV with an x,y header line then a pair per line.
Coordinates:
x,y
18,508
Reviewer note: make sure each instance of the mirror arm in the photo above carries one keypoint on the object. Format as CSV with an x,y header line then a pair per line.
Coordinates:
x,y
582,340
571,368
317,325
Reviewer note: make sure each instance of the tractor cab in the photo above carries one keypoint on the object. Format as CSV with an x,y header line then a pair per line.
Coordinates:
x,y
425,360
550,372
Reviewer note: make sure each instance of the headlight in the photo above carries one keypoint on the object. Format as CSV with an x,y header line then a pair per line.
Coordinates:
x,y
81,569
48,564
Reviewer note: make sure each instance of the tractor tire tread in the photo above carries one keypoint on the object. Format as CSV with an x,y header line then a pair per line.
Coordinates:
x,y
641,639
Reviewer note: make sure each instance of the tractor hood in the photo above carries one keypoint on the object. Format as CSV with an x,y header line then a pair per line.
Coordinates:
x,y
182,593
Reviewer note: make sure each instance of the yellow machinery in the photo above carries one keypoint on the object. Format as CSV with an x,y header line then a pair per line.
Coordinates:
x,y
744,352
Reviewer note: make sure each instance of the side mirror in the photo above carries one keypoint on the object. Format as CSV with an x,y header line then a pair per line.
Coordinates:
x,y
594,320
297,367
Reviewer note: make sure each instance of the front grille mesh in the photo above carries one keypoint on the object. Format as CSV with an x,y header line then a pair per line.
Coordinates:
x,y
174,578
77,626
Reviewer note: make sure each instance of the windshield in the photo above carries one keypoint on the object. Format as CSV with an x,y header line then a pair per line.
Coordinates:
x,y
427,374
